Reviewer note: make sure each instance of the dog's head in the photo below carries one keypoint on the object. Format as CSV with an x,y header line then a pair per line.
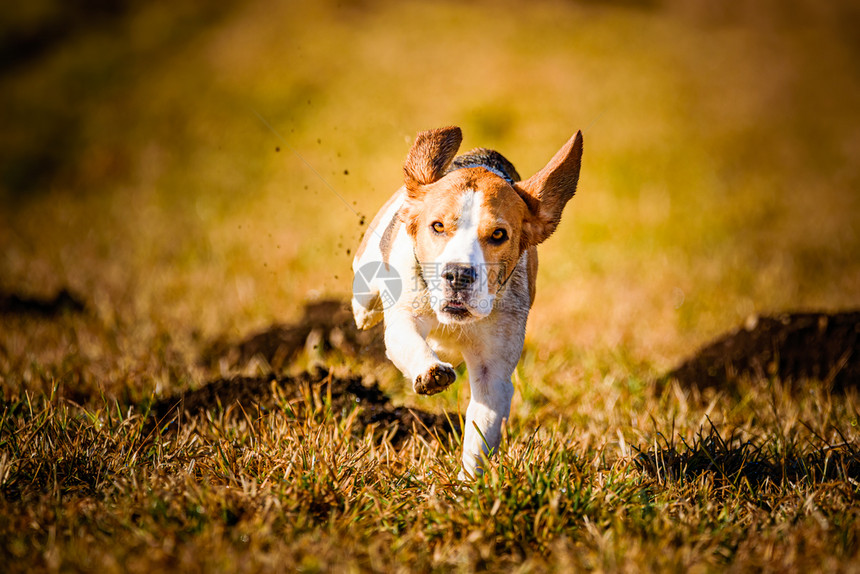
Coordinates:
x,y
469,226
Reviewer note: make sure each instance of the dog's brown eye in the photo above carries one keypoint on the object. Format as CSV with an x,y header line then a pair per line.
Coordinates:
x,y
499,235
438,227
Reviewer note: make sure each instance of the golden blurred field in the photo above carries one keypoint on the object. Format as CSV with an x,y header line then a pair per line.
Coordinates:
x,y
720,175
198,172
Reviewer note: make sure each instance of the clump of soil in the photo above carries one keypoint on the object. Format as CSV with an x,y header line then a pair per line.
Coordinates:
x,y
305,391
62,302
325,326
791,347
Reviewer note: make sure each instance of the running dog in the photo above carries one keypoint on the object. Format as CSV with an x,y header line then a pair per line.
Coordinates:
x,y
450,262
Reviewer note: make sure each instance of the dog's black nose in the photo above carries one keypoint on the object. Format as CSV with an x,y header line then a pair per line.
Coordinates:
x,y
459,276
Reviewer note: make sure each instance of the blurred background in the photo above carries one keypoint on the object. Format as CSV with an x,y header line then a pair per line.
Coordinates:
x,y
196,170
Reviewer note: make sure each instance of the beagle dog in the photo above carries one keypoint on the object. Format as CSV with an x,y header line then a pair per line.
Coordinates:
x,y
450,262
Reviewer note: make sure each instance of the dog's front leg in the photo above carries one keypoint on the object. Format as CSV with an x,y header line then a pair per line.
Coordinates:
x,y
406,346
490,404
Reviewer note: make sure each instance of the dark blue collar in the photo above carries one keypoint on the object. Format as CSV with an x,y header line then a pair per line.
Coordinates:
x,y
498,172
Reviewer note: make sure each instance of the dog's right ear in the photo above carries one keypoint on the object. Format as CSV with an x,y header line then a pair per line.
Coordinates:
x,y
430,155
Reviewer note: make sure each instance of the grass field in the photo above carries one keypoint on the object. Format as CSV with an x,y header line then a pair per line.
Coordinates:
x,y
194,176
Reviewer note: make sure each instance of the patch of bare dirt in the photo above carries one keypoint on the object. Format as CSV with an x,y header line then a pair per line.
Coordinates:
x,y
325,326
308,390
63,302
790,346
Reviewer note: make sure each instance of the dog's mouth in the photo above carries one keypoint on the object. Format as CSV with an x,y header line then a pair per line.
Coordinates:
x,y
461,307
456,309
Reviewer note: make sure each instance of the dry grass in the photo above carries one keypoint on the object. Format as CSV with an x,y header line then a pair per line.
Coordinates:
x,y
719,180
300,486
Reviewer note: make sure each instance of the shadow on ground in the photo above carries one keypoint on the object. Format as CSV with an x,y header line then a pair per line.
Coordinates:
x,y
318,390
754,462
325,326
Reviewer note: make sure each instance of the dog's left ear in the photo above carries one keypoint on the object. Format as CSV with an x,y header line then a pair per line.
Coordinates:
x,y
430,155
548,191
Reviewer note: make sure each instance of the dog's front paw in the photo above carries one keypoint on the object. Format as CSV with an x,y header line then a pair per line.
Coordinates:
x,y
435,380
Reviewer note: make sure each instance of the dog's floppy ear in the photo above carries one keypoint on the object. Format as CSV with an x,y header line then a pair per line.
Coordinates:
x,y
430,155
548,191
